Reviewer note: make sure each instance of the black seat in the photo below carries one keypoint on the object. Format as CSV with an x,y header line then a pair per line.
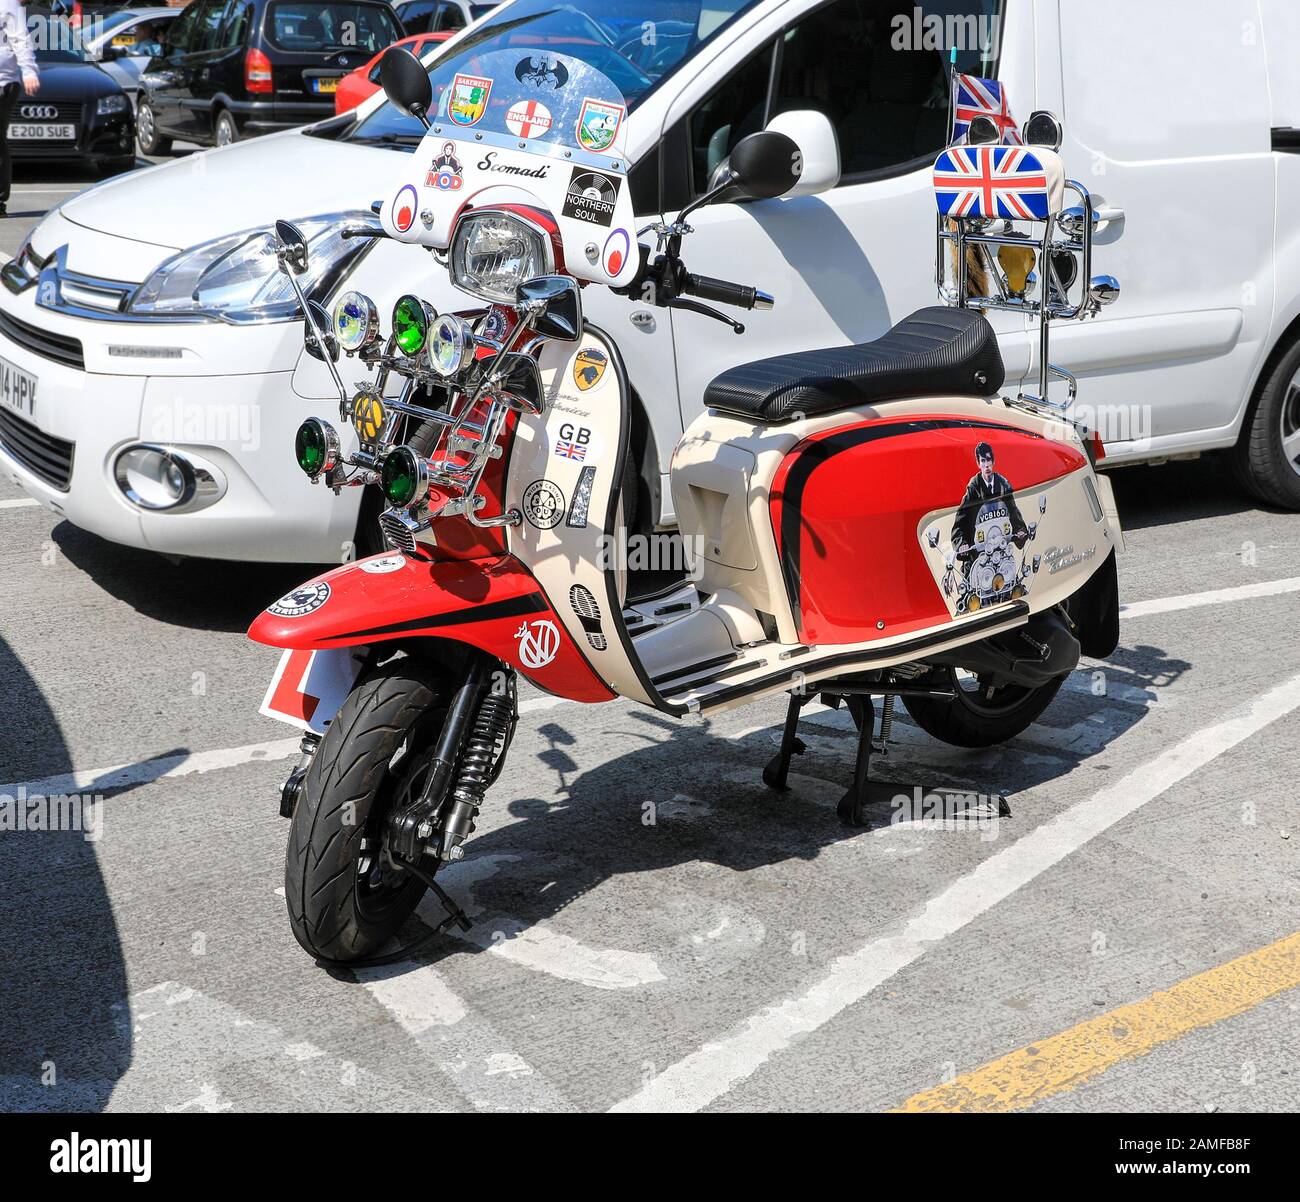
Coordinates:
x,y
935,352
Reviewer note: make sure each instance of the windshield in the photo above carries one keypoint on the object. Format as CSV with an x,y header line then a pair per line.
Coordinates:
x,y
307,27
634,43
55,41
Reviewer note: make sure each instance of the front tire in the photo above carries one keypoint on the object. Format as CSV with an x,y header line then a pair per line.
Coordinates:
x,y
978,717
345,897
1266,460
146,131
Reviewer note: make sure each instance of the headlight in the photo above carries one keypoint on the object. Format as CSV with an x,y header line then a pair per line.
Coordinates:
x,y
356,322
411,321
111,104
451,345
492,253
403,477
237,278
316,447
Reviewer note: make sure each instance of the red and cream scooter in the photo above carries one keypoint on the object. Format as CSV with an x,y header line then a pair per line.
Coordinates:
x,y
871,520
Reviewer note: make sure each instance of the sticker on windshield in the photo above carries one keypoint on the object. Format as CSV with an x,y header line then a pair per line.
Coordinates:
x,y
542,71
404,208
617,246
444,171
591,196
528,119
469,98
598,123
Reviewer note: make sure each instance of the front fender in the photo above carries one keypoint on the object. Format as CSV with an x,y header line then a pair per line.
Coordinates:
x,y
493,604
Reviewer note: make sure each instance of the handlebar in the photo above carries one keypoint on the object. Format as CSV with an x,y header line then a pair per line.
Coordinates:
x,y
724,292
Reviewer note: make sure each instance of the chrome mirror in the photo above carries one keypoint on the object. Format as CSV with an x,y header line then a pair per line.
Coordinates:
x,y
318,336
292,251
552,305
982,132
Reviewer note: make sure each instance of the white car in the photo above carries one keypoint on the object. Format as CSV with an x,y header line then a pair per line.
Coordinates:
x,y
152,371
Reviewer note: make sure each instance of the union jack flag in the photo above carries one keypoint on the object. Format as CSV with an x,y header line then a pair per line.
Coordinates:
x,y
991,181
976,97
570,450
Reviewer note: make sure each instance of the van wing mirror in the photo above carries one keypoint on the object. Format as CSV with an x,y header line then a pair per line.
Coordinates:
x,y
818,146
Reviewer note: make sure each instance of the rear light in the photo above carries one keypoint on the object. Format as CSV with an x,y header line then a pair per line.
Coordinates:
x,y
1098,448
75,20
257,71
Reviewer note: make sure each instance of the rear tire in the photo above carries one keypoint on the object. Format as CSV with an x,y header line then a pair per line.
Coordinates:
x,y
224,130
146,131
972,719
345,900
1262,464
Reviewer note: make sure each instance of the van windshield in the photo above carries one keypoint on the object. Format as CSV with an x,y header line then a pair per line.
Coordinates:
x,y
635,43
306,27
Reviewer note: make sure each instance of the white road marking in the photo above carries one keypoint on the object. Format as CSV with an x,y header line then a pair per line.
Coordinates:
x,y
709,1073
418,998
19,503
163,768
1221,596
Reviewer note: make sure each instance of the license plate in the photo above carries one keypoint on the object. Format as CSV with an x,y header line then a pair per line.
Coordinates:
x,y
325,85
17,389
39,131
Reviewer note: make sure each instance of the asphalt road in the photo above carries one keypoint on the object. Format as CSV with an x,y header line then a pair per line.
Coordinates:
x,y
654,928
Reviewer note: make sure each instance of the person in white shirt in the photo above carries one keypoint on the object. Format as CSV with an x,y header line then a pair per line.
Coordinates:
x,y
17,68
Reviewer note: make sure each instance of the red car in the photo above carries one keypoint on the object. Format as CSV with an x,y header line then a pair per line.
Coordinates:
x,y
363,83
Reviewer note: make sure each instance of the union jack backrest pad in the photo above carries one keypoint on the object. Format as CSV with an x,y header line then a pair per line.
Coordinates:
x,y
999,181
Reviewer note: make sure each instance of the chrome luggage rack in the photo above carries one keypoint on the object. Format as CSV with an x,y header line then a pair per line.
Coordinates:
x,y
1066,238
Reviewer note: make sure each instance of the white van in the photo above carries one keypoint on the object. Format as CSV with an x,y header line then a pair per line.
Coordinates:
x,y
1182,116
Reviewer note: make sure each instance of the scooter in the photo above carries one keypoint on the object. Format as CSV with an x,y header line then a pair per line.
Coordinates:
x,y
871,521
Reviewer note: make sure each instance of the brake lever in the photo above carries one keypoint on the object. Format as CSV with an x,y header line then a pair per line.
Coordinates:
x,y
681,302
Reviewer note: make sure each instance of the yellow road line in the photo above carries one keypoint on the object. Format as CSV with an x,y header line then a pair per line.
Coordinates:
x,y
1067,1060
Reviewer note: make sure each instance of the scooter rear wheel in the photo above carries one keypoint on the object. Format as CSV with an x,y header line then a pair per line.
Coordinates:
x,y
345,897
978,717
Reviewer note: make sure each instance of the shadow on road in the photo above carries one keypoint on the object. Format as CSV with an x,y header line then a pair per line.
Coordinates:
x,y
198,594
66,1036
1171,493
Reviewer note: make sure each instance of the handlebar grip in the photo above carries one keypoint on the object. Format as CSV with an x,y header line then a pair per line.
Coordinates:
x,y
723,292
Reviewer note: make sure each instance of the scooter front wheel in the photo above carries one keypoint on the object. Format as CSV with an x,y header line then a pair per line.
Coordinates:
x,y
346,898
980,714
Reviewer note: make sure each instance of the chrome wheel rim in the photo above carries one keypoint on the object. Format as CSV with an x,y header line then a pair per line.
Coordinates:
x,y
144,119
1289,425
224,137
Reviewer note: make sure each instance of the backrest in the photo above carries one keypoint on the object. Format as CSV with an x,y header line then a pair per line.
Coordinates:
x,y
997,181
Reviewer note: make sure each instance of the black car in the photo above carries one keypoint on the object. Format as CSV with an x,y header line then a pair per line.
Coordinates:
x,y
80,112
439,16
234,68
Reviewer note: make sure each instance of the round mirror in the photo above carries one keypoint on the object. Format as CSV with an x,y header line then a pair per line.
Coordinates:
x,y
1043,129
405,81
765,164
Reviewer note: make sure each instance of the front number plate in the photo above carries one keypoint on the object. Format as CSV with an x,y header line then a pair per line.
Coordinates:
x,y
17,389
39,131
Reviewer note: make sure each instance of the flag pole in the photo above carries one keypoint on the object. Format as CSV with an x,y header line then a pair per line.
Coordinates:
x,y
952,92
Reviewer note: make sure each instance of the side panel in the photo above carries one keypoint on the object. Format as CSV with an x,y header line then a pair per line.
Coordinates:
x,y
565,466
850,506
492,604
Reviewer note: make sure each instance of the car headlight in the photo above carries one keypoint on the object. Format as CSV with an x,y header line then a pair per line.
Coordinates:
x,y
237,278
111,104
492,253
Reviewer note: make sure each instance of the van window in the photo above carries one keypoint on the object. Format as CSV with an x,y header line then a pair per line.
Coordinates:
x,y
309,28
877,68
180,34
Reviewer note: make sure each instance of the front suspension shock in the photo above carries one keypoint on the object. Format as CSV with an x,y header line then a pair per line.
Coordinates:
x,y
480,764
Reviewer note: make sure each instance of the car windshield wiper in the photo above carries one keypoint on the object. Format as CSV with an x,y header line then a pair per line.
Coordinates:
x,y
410,140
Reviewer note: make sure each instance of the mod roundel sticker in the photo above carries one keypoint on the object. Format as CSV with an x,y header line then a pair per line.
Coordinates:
x,y
404,206
302,600
617,246
543,504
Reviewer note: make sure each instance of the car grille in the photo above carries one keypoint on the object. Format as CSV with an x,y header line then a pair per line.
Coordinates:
x,y
67,111
58,347
41,454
